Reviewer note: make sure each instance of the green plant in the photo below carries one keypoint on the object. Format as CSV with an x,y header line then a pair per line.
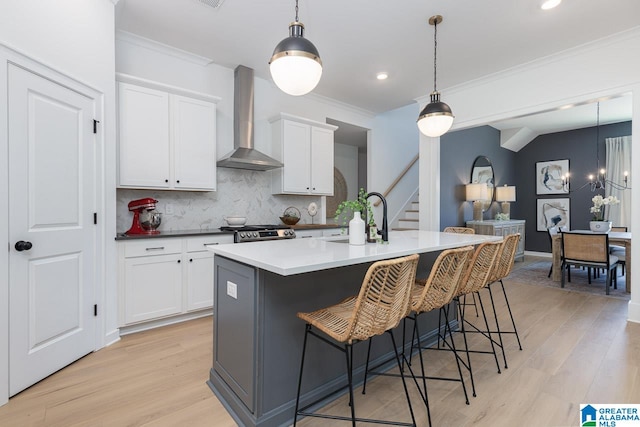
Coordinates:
x,y
361,204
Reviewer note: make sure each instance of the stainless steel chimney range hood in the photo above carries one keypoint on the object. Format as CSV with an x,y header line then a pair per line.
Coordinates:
x,y
243,155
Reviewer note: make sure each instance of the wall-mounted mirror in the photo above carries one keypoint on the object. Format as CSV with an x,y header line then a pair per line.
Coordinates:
x,y
482,172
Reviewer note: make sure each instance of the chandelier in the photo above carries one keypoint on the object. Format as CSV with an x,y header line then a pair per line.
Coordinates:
x,y
599,181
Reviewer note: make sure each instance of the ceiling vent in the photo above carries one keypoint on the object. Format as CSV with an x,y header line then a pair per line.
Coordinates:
x,y
212,3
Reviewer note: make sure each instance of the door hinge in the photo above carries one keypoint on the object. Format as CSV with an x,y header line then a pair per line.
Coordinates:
x,y
95,125
95,217
95,309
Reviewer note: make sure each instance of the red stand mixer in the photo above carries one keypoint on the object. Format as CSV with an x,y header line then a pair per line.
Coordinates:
x,y
146,225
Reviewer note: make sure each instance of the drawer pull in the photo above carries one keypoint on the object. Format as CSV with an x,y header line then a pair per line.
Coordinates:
x,y
306,237
216,243
159,248
336,234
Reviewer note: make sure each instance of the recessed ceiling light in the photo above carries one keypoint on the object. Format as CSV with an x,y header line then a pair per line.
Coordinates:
x,y
382,76
549,4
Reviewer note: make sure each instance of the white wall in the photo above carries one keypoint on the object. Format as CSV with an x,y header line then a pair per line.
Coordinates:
x,y
606,67
346,161
74,37
393,144
239,191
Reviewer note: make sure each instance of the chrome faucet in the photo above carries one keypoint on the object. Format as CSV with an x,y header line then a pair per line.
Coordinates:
x,y
384,231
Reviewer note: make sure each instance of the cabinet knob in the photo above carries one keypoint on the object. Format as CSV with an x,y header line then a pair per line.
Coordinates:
x,y
179,261
178,182
166,180
190,259
307,188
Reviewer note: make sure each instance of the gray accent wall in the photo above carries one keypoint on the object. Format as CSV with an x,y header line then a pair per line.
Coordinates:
x,y
459,149
579,146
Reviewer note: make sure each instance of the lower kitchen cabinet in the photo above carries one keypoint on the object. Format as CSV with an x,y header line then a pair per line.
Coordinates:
x,y
153,287
164,280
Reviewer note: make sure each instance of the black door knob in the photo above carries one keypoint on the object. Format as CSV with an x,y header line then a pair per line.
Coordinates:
x,y
21,245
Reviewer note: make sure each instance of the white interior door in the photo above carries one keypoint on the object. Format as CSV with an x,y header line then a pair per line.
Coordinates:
x,y
51,227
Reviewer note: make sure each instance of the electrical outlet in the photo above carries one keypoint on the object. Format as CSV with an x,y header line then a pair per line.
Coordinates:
x,y
168,209
232,290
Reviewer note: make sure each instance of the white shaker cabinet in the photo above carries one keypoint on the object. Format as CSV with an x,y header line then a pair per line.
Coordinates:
x,y
151,273
305,147
165,280
166,137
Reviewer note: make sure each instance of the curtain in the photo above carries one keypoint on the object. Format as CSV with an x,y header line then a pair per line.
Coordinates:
x,y
619,161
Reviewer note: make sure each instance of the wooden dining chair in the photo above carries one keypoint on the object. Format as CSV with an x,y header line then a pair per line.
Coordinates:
x,y
589,250
619,251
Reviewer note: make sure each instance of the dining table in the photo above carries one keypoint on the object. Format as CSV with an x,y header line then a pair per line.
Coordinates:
x,y
621,238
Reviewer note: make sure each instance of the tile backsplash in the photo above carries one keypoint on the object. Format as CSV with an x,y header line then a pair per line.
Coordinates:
x,y
240,192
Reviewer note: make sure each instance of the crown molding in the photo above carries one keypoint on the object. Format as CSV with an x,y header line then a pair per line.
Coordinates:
x,y
127,37
537,63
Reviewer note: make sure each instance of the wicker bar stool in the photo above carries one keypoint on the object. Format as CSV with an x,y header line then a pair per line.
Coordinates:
x,y
383,301
501,269
459,230
477,276
435,293
432,293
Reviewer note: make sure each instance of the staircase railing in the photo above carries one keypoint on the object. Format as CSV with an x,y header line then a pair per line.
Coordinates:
x,y
398,179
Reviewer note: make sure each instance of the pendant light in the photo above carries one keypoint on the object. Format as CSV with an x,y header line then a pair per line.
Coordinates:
x,y
295,66
436,118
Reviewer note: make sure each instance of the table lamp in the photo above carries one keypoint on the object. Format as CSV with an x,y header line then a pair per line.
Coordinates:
x,y
505,195
477,193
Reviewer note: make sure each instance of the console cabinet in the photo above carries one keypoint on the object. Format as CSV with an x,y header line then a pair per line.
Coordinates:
x,y
502,228
166,137
305,147
161,278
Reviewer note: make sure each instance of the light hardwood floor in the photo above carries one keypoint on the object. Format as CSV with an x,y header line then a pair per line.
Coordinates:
x,y
577,349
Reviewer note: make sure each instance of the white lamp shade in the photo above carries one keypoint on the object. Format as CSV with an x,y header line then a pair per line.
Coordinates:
x,y
477,192
435,125
506,193
296,75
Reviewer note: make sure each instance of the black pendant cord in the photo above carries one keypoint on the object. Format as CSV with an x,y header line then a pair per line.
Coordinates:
x,y
297,11
435,55
597,141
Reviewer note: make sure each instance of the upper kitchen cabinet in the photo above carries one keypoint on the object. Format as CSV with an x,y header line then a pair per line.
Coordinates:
x,y
305,147
166,136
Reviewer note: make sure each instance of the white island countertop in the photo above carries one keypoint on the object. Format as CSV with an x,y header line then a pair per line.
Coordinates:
x,y
295,256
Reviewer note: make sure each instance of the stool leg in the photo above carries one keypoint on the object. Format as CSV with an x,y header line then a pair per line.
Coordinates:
x,y
466,346
416,332
486,323
495,317
513,322
304,350
366,368
404,383
445,309
348,351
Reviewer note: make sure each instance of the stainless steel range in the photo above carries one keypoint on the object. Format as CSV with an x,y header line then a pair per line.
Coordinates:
x,y
256,233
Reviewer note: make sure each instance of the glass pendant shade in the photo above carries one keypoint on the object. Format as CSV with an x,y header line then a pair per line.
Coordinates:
x,y
295,66
436,118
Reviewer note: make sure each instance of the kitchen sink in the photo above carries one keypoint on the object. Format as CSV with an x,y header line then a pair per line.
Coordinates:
x,y
339,241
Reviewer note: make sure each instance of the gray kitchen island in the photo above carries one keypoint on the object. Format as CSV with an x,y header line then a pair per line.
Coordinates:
x,y
257,338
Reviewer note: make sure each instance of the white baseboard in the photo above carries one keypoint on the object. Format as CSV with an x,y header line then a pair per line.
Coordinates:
x,y
539,254
139,327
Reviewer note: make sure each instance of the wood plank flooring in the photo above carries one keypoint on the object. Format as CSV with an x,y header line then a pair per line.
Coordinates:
x,y
578,348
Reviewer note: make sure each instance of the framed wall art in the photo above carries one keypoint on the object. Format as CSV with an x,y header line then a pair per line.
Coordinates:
x,y
549,177
553,212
